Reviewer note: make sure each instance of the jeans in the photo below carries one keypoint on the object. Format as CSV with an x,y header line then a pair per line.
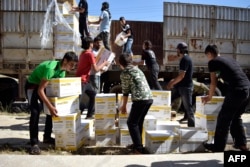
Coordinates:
x,y
153,72
185,93
89,89
35,110
95,81
139,110
127,46
229,119
105,39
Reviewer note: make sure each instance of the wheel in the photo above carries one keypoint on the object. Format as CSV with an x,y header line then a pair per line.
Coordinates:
x,y
8,91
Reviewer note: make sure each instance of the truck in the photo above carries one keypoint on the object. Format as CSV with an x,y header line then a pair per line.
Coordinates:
x,y
23,35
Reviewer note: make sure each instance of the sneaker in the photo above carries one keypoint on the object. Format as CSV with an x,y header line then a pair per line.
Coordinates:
x,y
35,150
49,140
209,147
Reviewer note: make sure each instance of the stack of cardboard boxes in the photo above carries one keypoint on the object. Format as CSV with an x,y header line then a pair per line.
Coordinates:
x,y
64,93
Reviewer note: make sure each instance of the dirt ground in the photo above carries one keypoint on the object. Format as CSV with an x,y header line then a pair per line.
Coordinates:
x,y
14,138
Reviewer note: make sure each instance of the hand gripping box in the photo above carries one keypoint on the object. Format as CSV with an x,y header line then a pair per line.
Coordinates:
x,y
64,105
212,107
61,87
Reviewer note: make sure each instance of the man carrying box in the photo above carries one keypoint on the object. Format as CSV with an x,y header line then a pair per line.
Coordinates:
x,y
35,91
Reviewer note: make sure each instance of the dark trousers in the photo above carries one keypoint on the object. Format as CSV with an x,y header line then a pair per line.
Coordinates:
x,y
139,110
35,110
105,39
90,90
185,93
153,72
83,26
229,119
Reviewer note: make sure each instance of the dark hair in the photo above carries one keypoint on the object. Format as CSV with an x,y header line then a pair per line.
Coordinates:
x,y
70,56
122,18
183,47
97,38
105,6
125,59
213,49
148,44
86,41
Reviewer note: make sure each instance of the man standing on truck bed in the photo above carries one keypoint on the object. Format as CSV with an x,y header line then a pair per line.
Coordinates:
x,y
104,21
127,47
35,91
83,17
183,84
235,102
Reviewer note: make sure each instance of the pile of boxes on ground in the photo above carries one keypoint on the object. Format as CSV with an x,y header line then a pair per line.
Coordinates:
x,y
109,128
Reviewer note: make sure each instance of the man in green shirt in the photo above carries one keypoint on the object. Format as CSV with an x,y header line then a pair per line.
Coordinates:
x,y
35,91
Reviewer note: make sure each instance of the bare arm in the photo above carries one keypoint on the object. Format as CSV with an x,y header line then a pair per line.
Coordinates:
x,y
44,98
123,107
176,80
212,87
100,67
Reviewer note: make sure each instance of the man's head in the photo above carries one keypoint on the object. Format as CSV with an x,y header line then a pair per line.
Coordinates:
x,y
147,44
97,43
105,5
69,61
182,48
125,59
212,51
122,20
87,43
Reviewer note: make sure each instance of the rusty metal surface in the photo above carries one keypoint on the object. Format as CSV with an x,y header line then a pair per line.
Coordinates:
x,y
199,25
152,31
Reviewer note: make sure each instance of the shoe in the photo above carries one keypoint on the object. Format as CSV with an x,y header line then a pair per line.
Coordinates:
x,y
241,148
182,120
49,140
35,150
209,147
130,146
89,117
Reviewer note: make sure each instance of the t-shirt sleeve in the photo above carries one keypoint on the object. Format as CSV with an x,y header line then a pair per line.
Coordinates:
x,y
184,64
212,66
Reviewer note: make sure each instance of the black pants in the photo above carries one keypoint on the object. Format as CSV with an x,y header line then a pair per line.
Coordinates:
x,y
35,110
229,118
154,83
83,26
105,39
135,121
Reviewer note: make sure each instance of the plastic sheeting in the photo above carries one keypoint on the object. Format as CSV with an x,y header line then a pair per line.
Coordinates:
x,y
52,18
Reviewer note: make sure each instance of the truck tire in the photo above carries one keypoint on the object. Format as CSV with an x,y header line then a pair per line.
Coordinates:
x,y
8,91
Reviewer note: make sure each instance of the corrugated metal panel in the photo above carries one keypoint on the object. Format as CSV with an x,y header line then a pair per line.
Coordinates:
x,y
200,25
152,31
22,21
24,5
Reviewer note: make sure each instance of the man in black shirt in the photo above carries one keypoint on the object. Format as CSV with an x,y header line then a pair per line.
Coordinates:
x,y
235,102
83,17
183,83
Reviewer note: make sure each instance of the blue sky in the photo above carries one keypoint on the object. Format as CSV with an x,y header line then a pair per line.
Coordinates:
x,y
151,10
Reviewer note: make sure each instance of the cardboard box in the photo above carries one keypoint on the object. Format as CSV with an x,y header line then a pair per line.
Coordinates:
x,y
105,137
104,121
119,41
64,105
104,55
212,107
62,87
149,122
207,121
167,125
191,139
125,138
160,112
162,142
161,98
67,123
105,103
